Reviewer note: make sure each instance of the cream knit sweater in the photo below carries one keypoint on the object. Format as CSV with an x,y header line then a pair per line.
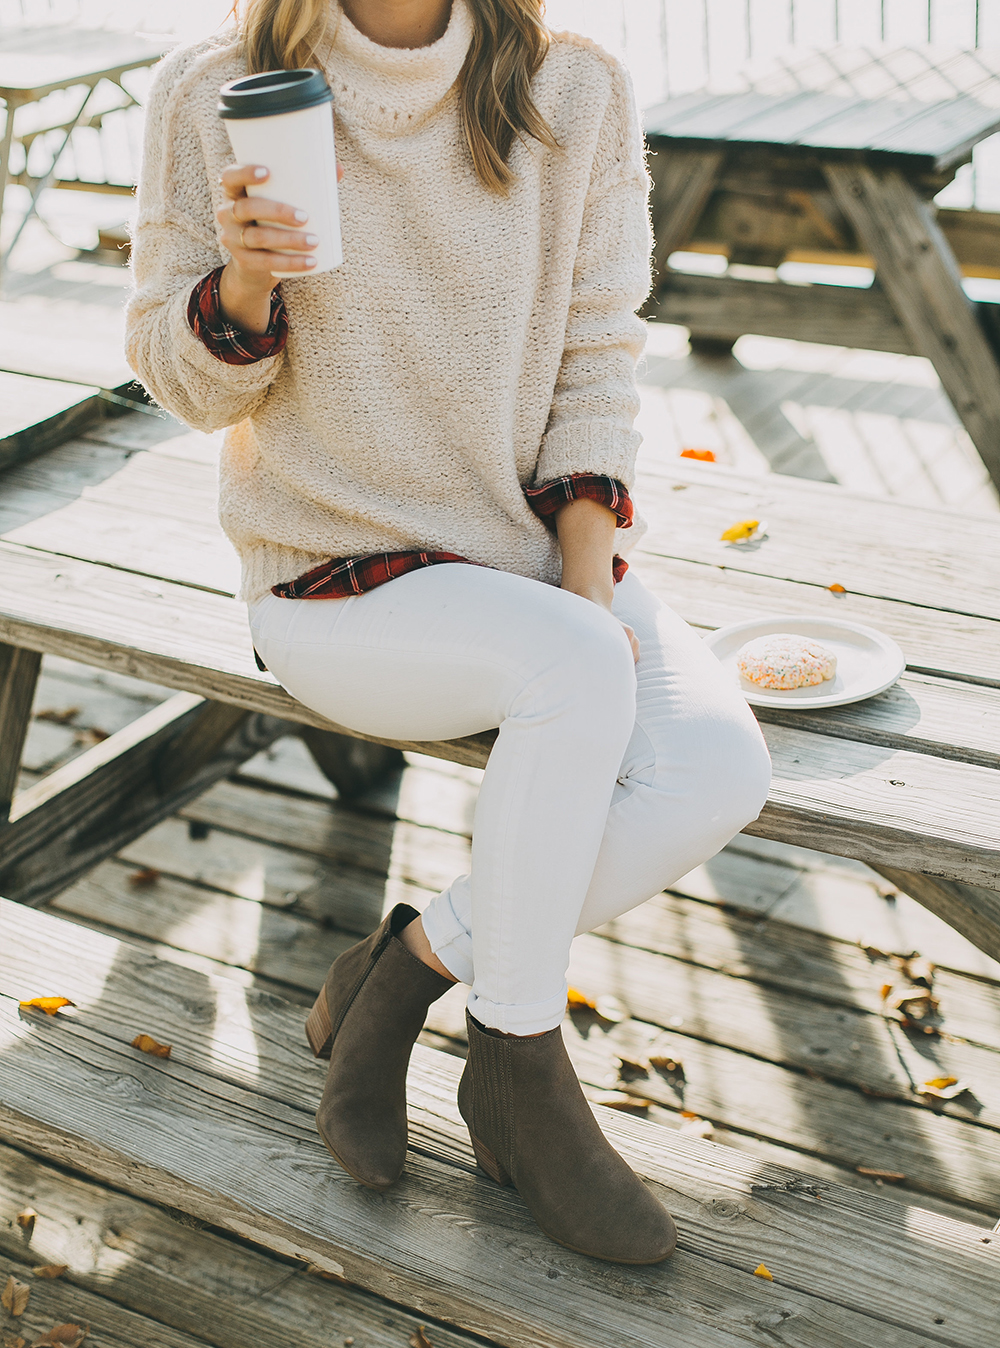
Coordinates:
x,y
469,346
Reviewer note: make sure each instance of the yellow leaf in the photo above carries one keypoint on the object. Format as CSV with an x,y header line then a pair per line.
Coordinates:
x,y
938,1083
579,1001
14,1296
149,1045
761,1272
737,532
836,589
50,1005
50,1270
944,1088
418,1339
26,1221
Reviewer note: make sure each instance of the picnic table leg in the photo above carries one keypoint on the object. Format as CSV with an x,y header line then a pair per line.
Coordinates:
x,y
972,911
918,272
18,676
682,183
353,766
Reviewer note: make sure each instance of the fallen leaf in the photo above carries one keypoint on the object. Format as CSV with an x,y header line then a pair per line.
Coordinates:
x,y
318,1272
891,1176
91,735
148,875
149,1045
738,533
918,970
761,1272
418,1339
693,1126
632,1066
26,1221
14,1296
885,990
623,1101
702,455
12,1340
58,717
579,1001
612,1009
664,1063
62,1336
50,1005
679,486
944,1088
836,589
50,1270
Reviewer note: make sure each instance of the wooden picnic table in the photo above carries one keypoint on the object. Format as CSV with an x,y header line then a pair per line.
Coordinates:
x,y
835,157
110,553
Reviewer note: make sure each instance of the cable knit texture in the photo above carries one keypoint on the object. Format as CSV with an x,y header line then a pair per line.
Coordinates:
x,y
471,345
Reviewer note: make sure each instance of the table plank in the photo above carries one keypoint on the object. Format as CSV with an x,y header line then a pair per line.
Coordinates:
x,y
38,413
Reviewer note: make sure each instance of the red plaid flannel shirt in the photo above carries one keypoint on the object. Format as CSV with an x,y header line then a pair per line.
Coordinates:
x,y
343,576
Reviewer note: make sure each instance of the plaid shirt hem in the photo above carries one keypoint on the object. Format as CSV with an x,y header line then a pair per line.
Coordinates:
x,y
226,342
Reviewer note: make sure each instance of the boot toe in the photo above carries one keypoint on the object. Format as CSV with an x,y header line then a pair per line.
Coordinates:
x,y
377,1165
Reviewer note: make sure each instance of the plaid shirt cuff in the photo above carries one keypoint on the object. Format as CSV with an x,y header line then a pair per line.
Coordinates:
x,y
226,342
607,491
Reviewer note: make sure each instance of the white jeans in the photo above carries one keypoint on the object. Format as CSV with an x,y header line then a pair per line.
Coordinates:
x,y
608,781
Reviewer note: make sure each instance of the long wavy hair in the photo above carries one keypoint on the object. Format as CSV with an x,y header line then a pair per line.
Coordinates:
x,y
508,45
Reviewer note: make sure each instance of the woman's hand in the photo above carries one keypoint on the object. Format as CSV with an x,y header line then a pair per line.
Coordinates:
x,y
587,538
248,235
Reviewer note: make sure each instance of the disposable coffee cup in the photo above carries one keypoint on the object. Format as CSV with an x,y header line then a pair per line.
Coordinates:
x,y
283,120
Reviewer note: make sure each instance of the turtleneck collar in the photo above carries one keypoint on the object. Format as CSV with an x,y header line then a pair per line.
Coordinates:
x,y
393,89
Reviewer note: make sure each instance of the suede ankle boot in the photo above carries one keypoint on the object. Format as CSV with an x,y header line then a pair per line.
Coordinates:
x,y
531,1126
366,1021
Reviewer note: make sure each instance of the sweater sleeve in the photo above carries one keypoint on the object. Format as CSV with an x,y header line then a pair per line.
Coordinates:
x,y
174,246
595,399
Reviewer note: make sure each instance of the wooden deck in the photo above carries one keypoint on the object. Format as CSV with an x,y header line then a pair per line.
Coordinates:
x,y
759,976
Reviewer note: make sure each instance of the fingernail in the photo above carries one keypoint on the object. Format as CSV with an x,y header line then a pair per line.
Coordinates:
x,y
310,262
301,217
312,240
260,173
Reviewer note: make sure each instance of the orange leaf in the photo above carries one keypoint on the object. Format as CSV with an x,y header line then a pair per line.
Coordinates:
x,y
418,1339
50,1005
702,455
577,999
148,875
886,989
26,1221
737,533
893,1176
62,1336
14,1296
149,1045
50,1270
836,589
761,1272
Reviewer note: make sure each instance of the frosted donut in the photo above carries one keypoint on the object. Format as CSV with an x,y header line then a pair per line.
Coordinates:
x,y
785,661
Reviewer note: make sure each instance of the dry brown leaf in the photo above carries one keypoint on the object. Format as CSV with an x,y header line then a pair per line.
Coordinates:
x,y
761,1272
740,532
50,1005
14,1296
890,1176
579,1001
622,1100
418,1339
318,1272
944,1088
62,1336
679,486
12,1340
633,1066
149,1045
57,717
702,455
26,1221
148,875
836,589
50,1270
664,1063
91,735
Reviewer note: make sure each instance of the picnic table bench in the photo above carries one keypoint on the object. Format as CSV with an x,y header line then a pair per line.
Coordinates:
x,y
835,157
111,554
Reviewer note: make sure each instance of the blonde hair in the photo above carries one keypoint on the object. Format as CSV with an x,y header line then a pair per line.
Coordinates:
x,y
509,43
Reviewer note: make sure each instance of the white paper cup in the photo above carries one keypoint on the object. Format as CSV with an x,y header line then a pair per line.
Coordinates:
x,y
283,119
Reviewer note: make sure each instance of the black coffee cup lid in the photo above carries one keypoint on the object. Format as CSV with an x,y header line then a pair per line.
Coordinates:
x,y
272,92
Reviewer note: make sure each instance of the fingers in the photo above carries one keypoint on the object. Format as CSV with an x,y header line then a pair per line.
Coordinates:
x,y
633,641
254,238
246,209
238,177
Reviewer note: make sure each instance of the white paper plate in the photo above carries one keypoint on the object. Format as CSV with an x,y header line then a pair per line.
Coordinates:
x,y
868,662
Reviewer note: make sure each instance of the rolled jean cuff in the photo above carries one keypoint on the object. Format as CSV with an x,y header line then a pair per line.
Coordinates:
x,y
531,1018
448,939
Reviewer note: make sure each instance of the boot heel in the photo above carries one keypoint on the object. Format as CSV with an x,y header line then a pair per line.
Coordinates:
x,y
488,1162
319,1031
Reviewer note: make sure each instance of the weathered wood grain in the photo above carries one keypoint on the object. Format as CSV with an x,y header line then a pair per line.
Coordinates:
x,y
18,676
202,1132
973,911
682,181
39,413
918,272
193,1280
85,810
